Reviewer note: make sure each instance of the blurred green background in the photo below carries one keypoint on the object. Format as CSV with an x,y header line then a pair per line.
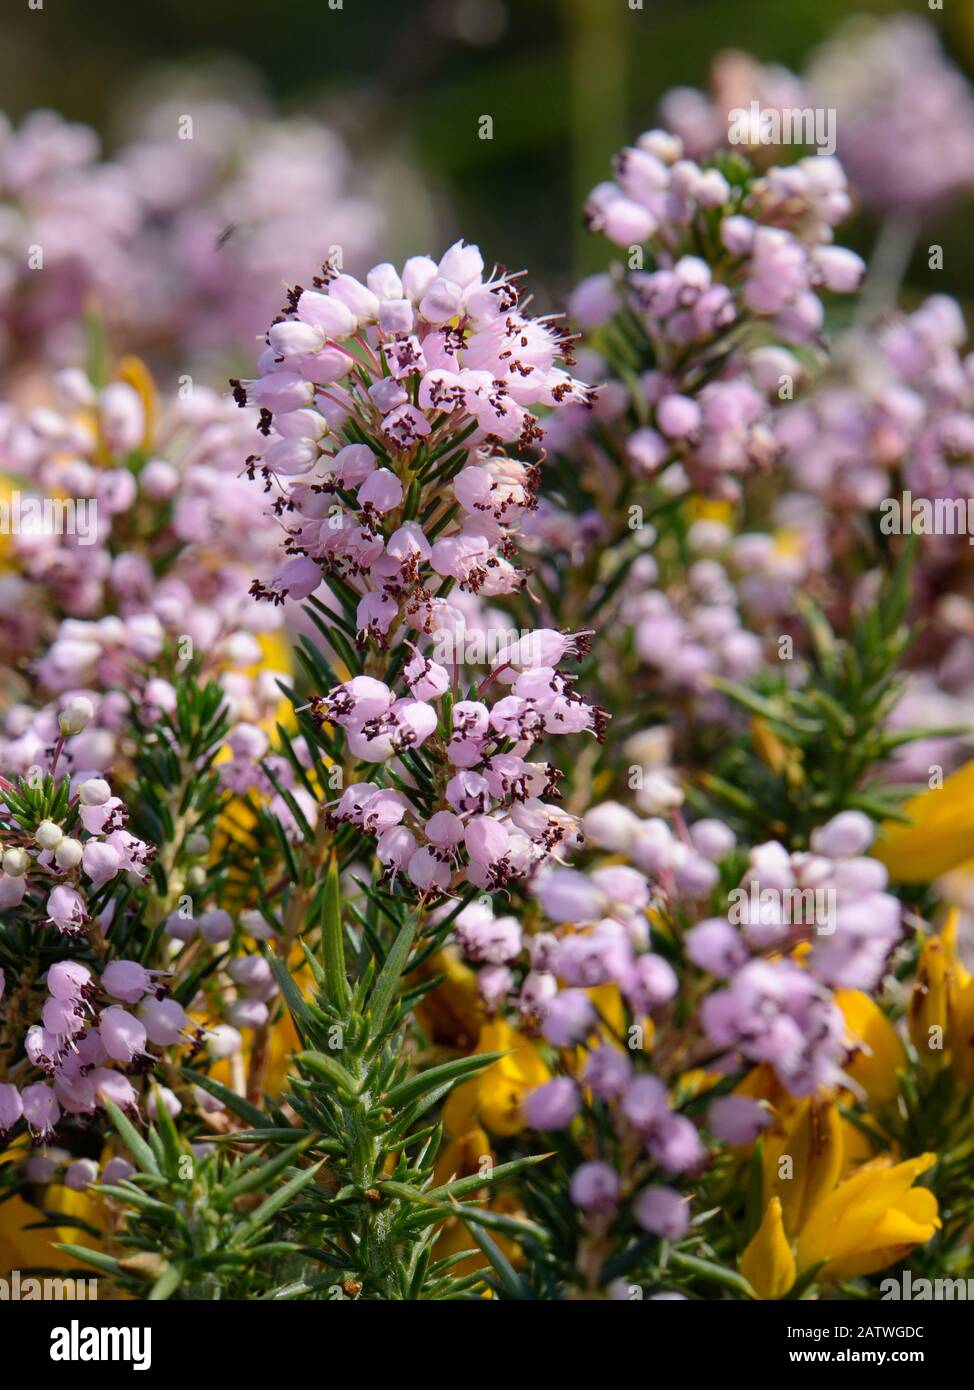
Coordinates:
x,y
566,82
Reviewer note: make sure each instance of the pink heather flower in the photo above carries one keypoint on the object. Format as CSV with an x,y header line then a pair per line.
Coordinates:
x,y
66,910
486,840
251,972
80,1174
838,270
12,889
216,926
712,838
113,1086
537,989
678,416
62,1018
906,129
777,1012
100,862
381,491
662,1212
647,450
427,679
448,368
123,1036
675,1144
483,937
737,1119
569,1017
695,876
553,1105
126,980
359,700
468,791
117,1170
855,955
645,1102
593,301
715,946
133,853
40,1110
382,810
248,1013
625,888
569,896
494,984
428,873
394,848
444,831
43,1048
297,578
168,1098
41,1168
353,465
595,1187
180,928
11,1107
847,834
651,983
607,1072
165,1021
68,980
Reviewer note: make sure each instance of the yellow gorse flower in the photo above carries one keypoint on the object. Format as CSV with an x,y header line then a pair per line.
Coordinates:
x,y
451,1013
802,1162
871,1220
23,1248
962,1041
813,1216
941,1011
961,976
878,1053
929,1011
494,1097
134,372
780,757
941,833
768,1264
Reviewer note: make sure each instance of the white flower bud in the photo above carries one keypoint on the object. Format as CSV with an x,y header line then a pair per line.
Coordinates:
x,y
223,1041
197,843
67,854
15,862
48,835
76,715
94,792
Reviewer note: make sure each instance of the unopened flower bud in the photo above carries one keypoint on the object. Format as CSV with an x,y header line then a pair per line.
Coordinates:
x,y
67,854
48,835
15,862
253,923
76,715
223,1041
94,792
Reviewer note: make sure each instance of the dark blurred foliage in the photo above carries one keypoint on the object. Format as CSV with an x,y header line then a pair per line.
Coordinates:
x,y
566,82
